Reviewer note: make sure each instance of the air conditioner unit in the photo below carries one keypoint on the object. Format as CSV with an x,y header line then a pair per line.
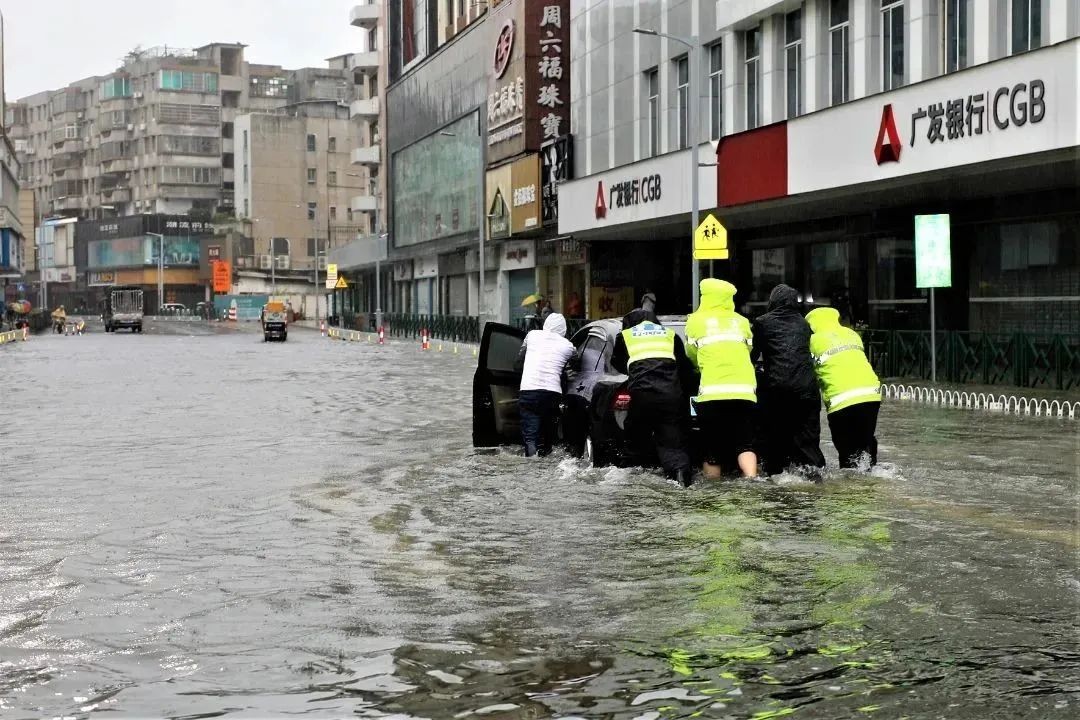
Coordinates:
x,y
131,126
142,126
283,262
322,262
264,262
30,151
137,95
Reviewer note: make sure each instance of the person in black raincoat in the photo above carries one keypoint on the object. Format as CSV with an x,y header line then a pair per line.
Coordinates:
x,y
660,390
789,403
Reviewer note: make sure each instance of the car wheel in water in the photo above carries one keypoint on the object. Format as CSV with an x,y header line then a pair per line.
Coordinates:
x,y
592,454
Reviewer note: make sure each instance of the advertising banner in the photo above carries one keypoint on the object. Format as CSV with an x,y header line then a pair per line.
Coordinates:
x,y
609,302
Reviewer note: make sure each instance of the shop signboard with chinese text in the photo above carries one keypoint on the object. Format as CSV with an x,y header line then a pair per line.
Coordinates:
x,y
610,302
525,193
222,276
331,275
556,167
529,76
933,256
1016,106
100,278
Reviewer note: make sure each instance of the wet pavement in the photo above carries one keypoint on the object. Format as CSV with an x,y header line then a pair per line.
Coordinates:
x,y
224,527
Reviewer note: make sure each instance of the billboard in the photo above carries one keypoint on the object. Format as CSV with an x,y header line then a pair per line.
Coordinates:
x,y
933,256
142,251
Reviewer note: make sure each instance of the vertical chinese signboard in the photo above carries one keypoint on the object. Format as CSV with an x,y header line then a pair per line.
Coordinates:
x,y
529,77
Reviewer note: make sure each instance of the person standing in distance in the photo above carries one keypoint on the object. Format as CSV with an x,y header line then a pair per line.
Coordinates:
x,y
653,358
788,400
544,355
719,341
849,386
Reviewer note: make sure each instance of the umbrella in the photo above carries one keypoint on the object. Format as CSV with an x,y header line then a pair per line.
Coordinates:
x,y
531,300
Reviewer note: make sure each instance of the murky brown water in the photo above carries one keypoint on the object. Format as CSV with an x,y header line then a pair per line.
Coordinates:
x,y
227,528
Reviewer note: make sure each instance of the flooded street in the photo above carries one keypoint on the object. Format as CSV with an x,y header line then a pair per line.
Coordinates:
x,y
205,525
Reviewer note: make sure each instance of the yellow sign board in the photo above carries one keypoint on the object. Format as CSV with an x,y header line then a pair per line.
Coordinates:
x,y
341,284
710,240
331,276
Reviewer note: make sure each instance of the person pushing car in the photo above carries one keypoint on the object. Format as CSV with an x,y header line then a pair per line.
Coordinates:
x,y
654,359
543,358
849,386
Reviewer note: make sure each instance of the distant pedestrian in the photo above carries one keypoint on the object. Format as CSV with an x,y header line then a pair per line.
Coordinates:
x,y
849,386
544,356
719,342
789,404
659,377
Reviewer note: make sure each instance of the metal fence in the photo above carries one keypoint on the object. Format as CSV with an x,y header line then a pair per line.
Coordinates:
x,y
1050,362
455,328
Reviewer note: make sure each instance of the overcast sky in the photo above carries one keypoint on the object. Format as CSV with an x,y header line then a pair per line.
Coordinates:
x,y
50,43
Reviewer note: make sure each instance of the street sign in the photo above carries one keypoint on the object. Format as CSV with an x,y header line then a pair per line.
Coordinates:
x,y
710,240
933,256
341,283
331,276
221,271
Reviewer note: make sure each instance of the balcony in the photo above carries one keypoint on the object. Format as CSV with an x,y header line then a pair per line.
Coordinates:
x,y
365,63
370,155
365,16
368,108
364,203
73,202
116,195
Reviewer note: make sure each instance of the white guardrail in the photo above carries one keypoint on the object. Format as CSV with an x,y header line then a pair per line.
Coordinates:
x,y
13,336
970,400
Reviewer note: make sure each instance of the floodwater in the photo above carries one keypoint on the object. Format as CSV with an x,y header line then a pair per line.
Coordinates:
x,y
195,524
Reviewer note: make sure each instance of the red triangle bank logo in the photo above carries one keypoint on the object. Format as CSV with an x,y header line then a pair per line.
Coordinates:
x,y
887,148
601,203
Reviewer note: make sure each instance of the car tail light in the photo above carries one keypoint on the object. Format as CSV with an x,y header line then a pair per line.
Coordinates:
x,y
621,401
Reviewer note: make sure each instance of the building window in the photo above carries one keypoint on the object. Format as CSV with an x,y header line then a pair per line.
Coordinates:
x,y
793,62
331,144
753,79
652,85
310,143
311,207
185,81
247,208
279,246
245,172
348,214
268,87
116,87
1026,25
331,177
312,176
333,212
956,34
892,44
373,39
682,83
839,52
716,90
245,140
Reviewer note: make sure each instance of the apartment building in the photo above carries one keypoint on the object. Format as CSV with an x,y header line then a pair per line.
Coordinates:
x,y
836,122
157,135
12,230
296,184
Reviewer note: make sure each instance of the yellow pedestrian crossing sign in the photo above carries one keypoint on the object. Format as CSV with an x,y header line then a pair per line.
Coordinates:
x,y
710,240
341,283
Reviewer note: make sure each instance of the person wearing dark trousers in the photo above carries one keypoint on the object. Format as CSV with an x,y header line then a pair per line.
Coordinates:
x,y
789,404
542,361
850,387
654,359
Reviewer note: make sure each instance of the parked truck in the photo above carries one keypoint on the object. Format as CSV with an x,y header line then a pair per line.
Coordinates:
x,y
123,308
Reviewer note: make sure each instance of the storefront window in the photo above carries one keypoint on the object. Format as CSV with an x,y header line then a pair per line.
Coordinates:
x,y
828,281
772,266
895,303
1026,278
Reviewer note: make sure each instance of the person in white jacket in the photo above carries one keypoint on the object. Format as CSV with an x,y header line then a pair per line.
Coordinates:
x,y
544,356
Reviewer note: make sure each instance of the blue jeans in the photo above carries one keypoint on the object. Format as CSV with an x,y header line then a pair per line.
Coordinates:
x,y
539,411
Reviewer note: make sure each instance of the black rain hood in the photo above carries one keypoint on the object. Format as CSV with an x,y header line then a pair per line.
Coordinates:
x,y
784,296
638,316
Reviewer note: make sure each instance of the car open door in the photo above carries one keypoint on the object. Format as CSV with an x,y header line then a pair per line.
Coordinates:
x,y
495,388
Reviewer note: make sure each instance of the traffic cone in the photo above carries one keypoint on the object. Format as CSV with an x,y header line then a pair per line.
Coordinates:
x,y
382,335
322,328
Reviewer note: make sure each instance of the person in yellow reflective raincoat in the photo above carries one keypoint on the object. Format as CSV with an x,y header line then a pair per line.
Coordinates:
x,y
718,343
849,386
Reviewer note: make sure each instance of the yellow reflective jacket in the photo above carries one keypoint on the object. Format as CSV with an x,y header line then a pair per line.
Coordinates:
x,y
844,374
718,342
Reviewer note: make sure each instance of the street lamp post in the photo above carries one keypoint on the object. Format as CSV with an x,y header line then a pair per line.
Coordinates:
x,y
692,130
160,268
